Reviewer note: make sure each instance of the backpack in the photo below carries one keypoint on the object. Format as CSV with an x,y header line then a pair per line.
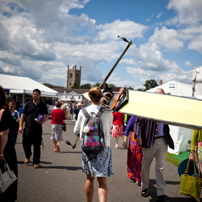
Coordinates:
x,y
92,141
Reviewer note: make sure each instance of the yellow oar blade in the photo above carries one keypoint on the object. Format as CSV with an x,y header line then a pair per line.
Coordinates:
x,y
175,110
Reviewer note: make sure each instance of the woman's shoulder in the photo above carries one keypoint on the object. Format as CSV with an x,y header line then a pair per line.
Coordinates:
x,y
5,113
5,110
2,111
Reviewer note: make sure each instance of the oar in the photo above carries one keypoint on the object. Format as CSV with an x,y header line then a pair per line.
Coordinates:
x,y
112,69
73,145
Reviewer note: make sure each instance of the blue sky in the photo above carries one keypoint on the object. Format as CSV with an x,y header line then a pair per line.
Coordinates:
x,y
40,38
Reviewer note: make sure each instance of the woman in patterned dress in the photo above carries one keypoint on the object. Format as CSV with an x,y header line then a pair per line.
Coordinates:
x,y
134,159
101,166
58,117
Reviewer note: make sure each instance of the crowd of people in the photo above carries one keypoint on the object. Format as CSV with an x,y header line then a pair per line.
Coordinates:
x,y
144,140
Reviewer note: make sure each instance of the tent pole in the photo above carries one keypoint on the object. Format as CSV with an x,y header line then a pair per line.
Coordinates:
x,y
23,99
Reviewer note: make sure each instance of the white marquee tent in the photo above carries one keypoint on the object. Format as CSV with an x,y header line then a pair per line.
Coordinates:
x,y
24,85
180,135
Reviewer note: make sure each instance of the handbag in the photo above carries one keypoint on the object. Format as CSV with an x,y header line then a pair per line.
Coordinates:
x,y
64,127
190,185
6,178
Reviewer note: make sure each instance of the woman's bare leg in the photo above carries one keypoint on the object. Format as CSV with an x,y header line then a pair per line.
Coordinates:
x,y
117,142
55,144
102,189
89,188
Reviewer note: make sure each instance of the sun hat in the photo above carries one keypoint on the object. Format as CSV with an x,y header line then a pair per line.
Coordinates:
x,y
183,165
79,104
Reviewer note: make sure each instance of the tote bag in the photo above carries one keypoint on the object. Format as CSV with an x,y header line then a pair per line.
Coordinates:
x,y
190,185
7,177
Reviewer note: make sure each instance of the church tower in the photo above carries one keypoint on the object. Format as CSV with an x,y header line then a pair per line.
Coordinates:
x,y
73,76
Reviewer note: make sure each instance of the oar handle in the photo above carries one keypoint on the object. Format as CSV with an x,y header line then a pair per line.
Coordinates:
x,y
74,145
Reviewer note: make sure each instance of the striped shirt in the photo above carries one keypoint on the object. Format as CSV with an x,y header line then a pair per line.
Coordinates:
x,y
148,131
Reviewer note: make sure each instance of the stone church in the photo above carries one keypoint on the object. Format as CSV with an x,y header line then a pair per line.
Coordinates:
x,y
73,76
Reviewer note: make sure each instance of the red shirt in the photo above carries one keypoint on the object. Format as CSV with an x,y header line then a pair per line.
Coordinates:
x,y
118,118
57,116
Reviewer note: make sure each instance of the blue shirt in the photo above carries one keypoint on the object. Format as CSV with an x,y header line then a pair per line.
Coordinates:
x,y
160,130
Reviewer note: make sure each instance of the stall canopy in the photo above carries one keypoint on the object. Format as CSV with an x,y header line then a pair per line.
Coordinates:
x,y
24,85
175,88
180,135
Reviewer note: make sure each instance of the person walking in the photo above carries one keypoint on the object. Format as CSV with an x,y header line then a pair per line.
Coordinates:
x,y
118,124
154,138
134,159
65,108
57,117
77,108
32,134
7,149
15,125
101,166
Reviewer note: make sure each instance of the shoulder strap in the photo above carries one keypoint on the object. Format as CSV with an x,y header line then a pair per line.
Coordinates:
x,y
100,112
85,113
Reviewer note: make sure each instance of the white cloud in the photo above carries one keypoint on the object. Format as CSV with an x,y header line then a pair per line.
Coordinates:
x,y
7,69
150,64
159,15
166,38
188,11
118,81
149,57
141,75
196,44
187,63
128,29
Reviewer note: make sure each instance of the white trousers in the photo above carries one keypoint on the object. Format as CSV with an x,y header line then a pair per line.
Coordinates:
x,y
158,150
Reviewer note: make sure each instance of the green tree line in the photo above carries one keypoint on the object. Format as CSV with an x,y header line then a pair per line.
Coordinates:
x,y
147,85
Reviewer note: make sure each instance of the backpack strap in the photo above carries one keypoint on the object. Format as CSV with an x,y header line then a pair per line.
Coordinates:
x,y
100,112
86,114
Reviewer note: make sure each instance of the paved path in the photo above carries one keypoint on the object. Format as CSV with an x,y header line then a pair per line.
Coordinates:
x,y
59,177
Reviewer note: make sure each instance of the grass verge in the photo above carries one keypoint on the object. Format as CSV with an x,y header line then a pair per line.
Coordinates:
x,y
169,158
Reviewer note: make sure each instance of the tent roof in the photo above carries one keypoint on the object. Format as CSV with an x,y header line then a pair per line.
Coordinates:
x,y
175,88
20,85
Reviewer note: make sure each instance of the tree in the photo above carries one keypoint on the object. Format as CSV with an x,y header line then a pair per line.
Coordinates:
x,y
111,85
48,84
86,86
97,84
140,89
75,86
150,84
130,88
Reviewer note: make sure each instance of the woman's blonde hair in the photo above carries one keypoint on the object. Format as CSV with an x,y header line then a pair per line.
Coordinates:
x,y
95,94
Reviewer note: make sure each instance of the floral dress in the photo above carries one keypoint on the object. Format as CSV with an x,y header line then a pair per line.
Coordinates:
x,y
134,159
118,122
200,157
196,144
